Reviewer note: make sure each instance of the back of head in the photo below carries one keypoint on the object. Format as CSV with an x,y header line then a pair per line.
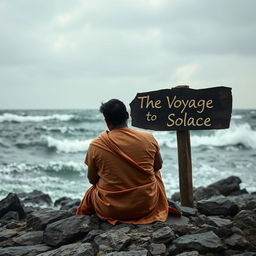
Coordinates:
x,y
114,111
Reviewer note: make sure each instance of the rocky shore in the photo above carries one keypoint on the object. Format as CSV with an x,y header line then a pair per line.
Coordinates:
x,y
223,222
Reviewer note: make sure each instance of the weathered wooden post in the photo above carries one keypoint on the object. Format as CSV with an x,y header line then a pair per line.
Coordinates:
x,y
185,165
182,109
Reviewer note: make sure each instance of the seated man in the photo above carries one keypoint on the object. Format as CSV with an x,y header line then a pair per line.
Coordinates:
x,y
123,167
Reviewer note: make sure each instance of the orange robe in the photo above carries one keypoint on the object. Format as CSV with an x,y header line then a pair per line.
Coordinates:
x,y
128,190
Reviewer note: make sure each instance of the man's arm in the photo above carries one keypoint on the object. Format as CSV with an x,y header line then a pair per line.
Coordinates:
x,y
158,162
92,175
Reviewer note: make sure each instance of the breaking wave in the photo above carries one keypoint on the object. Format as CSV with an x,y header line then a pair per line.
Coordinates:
x,y
242,136
8,117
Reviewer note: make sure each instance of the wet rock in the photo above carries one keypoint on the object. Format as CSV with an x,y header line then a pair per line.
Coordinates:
x,y
8,233
116,239
217,206
177,220
246,221
11,215
188,211
237,242
12,203
239,192
245,254
92,234
163,235
29,238
173,204
202,242
129,253
66,203
38,220
75,249
227,186
157,249
176,196
29,250
191,253
35,197
201,193
68,230
219,222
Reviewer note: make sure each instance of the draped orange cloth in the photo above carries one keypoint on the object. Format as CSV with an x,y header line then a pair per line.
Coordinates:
x,y
129,190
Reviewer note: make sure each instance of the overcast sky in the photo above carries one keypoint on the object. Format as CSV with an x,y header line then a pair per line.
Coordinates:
x,y
76,54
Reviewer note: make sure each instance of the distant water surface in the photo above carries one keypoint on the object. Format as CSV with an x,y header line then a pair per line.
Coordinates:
x,y
45,150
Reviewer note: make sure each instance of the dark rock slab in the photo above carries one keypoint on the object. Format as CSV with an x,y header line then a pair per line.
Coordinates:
x,y
29,238
201,193
11,215
8,233
29,250
219,222
66,203
68,230
35,197
75,249
157,249
245,254
116,239
177,220
38,220
176,196
129,253
202,242
191,253
11,203
92,234
188,211
217,206
227,186
238,242
163,235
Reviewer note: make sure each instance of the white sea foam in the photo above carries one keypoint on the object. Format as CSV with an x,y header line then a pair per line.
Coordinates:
x,y
237,117
8,117
67,146
241,134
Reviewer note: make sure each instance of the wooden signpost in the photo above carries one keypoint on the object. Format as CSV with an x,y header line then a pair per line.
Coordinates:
x,y
183,109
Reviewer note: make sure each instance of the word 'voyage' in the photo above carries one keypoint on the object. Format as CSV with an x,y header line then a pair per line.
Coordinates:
x,y
183,106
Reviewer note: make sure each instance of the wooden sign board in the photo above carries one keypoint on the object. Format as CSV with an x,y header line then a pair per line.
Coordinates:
x,y
182,109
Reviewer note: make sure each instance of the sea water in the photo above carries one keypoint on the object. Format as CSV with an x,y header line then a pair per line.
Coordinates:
x,y
45,150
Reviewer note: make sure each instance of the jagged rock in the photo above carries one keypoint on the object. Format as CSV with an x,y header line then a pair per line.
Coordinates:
x,y
116,239
68,230
28,250
38,220
15,224
188,211
237,242
202,242
176,196
92,234
219,222
75,249
163,235
35,197
217,206
11,215
239,192
191,253
29,238
8,233
246,221
201,193
129,253
173,204
11,203
245,254
244,201
177,220
67,203
157,249
227,186
185,229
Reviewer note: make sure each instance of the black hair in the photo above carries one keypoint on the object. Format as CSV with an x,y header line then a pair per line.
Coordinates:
x,y
114,111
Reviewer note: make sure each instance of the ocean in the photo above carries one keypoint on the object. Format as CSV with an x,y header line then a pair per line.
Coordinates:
x,y
45,150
